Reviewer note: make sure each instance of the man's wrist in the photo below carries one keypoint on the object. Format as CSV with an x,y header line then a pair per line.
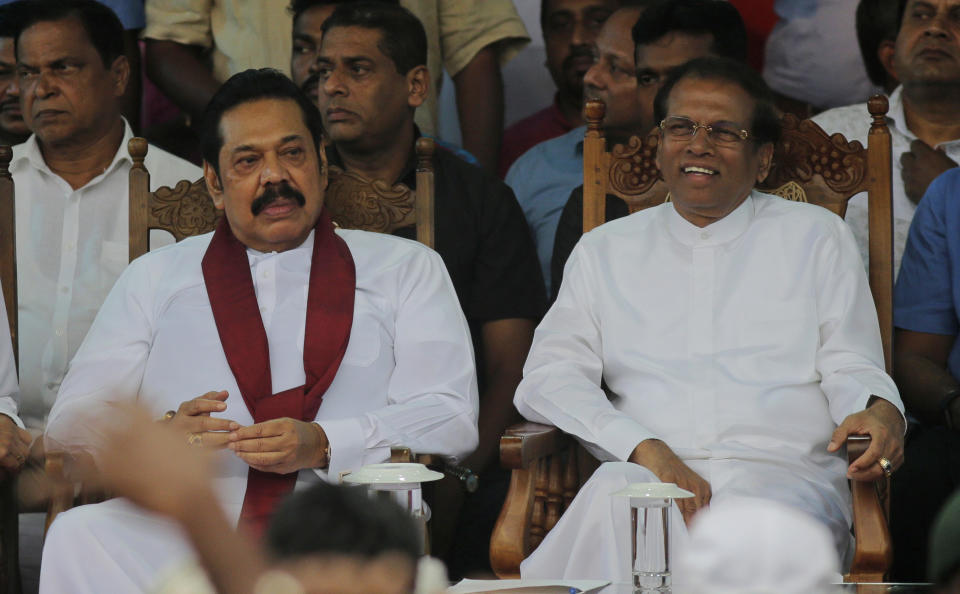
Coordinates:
x,y
323,454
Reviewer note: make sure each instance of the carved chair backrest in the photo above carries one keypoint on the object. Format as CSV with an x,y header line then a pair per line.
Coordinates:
x,y
355,202
809,165
184,210
8,246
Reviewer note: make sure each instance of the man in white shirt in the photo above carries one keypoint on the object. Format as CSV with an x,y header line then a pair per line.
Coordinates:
x,y
924,114
72,183
14,439
313,352
734,331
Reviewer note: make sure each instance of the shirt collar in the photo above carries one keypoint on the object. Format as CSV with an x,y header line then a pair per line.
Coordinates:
x,y
31,154
898,120
256,256
717,233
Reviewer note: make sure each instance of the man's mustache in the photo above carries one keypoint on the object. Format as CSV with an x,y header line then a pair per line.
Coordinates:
x,y
273,193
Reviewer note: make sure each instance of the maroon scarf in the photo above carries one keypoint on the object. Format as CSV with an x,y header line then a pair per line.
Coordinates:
x,y
226,273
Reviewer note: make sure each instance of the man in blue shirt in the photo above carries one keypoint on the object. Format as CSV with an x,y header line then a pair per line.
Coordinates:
x,y
927,370
543,177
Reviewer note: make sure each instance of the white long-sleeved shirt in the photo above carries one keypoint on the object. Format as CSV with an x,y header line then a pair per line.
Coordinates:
x,y
71,247
9,392
853,121
407,377
749,339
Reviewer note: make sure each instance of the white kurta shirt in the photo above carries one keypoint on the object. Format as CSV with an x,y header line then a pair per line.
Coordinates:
x,y
9,392
853,121
407,377
747,340
71,247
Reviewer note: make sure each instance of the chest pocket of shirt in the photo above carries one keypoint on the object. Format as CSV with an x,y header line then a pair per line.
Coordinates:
x,y
779,338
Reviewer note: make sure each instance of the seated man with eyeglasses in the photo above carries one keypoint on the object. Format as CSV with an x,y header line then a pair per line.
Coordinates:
x,y
725,341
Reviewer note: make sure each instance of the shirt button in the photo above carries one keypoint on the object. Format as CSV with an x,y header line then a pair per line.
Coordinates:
x,y
705,235
64,290
59,332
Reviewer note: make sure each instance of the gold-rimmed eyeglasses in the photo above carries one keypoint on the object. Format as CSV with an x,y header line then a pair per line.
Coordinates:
x,y
681,128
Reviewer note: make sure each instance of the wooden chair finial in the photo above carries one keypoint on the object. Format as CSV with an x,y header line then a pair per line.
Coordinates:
x,y
137,148
593,112
425,148
878,106
6,155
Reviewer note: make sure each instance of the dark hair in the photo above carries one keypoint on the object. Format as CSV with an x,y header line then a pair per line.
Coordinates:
x,y
900,11
334,519
402,38
877,21
765,126
298,7
101,25
9,19
717,18
244,87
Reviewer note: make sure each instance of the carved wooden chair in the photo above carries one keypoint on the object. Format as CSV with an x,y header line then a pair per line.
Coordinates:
x,y
356,202
549,467
9,521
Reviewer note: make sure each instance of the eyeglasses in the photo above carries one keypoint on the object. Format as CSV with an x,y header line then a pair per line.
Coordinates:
x,y
681,128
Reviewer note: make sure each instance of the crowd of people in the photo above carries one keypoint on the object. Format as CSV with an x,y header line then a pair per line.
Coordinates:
x,y
725,340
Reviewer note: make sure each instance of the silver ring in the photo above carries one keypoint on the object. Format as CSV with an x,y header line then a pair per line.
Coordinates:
x,y
886,466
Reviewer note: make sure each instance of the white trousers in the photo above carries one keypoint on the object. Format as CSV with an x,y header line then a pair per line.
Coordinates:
x,y
592,538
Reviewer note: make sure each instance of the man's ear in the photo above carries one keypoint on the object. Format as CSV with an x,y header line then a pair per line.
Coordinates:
x,y
885,52
418,85
214,188
766,160
120,71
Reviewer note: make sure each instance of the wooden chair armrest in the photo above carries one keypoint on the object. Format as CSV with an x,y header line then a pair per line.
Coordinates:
x,y
523,444
874,550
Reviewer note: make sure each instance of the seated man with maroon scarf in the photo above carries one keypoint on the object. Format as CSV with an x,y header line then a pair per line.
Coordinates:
x,y
296,351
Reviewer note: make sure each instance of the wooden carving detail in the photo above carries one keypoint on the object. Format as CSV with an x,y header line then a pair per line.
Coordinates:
x,y
830,169
185,210
633,169
633,174
791,191
355,202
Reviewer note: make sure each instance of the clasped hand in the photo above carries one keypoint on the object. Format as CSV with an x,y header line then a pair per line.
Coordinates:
x,y
279,445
